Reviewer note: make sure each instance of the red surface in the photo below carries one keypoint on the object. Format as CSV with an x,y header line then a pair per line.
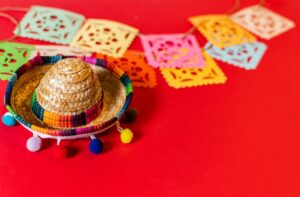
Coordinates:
x,y
238,139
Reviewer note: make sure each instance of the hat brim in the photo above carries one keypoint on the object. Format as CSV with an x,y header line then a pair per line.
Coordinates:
x,y
117,94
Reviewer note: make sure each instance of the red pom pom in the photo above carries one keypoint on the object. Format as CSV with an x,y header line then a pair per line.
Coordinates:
x,y
61,152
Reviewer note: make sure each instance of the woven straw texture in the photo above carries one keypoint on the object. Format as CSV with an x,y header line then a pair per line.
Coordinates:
x,y
69,88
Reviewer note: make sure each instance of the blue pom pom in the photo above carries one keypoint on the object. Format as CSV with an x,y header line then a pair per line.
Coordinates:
x,y
8,119
96,146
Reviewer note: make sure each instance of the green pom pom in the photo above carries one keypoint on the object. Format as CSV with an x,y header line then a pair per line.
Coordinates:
x,y
129,116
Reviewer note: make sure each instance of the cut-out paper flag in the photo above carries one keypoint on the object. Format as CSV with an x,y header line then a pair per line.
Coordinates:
x,y
262,21
243,55
190,77
104,36
136,67
221,31
52,50
172,51
50,24
12,56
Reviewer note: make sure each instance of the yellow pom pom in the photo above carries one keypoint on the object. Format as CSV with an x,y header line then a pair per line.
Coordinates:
x,y
126,136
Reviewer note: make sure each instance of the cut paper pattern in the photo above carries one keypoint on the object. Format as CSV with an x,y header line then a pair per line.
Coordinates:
x,y
106,37
262,21
190,77
135,65
172,50
221,31
244,55
12,56
50,24
53,50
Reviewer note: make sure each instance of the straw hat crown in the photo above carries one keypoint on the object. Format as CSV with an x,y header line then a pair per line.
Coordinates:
x,y
69,88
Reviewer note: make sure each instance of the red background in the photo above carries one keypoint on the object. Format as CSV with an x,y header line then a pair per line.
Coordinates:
x,y
238,139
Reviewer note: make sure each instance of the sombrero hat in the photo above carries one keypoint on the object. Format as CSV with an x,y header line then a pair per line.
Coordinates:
x,y
63,97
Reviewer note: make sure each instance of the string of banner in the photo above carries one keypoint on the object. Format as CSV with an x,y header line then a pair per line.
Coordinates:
x,y
231,38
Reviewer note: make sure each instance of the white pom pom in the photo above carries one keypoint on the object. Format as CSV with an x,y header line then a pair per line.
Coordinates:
x,y
34,144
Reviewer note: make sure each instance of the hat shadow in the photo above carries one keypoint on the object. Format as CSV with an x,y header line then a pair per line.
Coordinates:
x,y
72,151
145,101
48,143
